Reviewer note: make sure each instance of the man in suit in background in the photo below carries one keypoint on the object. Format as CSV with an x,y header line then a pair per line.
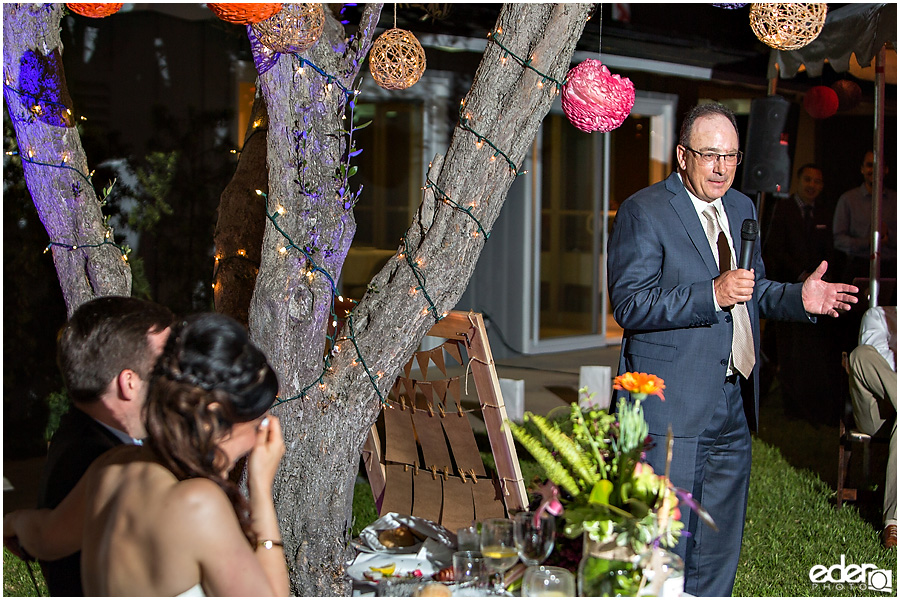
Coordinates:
x,y
106,352
682,302
797,239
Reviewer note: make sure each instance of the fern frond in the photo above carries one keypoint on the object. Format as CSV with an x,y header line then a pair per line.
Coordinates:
x,y
572,452
555,471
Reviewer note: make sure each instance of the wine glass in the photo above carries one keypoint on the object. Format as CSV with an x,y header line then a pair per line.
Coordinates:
x,y
498,546
534,537
547,581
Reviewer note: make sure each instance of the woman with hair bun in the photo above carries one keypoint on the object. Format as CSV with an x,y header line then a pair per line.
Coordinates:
x,y
163,519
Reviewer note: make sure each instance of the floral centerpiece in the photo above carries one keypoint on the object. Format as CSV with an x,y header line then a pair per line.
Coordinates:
x,y
602,489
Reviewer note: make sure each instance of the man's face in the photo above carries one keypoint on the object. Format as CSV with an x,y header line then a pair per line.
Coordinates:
x,y
708,181
868,169
811,185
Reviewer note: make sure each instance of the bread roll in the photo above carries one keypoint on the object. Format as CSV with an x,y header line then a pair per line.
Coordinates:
x,y
399,537
434,589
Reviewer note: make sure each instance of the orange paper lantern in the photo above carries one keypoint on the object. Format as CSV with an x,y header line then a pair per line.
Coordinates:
x,y
96,11
245,13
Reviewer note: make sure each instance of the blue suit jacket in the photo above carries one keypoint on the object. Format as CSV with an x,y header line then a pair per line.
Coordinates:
x,y
661,269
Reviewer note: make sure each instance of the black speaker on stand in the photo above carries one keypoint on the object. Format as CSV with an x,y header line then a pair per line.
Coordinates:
x,y
767,163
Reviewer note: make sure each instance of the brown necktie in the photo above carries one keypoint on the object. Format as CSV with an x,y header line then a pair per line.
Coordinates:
x,y
743,356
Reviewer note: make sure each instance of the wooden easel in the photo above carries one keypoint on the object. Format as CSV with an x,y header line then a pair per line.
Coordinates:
x,y
427,464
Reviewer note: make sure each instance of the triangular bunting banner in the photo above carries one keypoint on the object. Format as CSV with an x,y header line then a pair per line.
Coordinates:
x,y
422,358
454,389
407,368
437,356
410,386
440,388
452,348
425,388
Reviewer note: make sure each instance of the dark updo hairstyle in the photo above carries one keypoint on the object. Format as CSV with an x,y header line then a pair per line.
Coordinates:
x,y
209,377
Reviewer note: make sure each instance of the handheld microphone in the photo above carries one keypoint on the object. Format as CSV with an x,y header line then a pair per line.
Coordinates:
x,y
749,233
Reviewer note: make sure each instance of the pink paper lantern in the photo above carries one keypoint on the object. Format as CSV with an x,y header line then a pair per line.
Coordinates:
x,y
821,102
594,99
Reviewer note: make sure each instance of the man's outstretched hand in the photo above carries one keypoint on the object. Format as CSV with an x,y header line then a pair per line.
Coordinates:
x,y
823,298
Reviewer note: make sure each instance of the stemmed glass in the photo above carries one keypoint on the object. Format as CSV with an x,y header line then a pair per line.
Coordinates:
x,y
534,537
498,546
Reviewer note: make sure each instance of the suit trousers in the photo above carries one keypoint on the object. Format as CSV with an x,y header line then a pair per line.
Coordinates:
x,y
715,468
873,391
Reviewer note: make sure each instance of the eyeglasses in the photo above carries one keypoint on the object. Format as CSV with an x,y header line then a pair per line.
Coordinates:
x,y
708,158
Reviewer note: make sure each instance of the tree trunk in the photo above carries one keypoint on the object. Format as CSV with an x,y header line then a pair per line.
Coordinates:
x,y
87,262
242,222
331,404
291,306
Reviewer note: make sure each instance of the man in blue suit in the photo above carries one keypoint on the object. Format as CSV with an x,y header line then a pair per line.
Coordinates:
x,y
692,318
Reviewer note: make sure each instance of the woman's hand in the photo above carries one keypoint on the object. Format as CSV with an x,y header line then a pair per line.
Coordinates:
x,y
266,454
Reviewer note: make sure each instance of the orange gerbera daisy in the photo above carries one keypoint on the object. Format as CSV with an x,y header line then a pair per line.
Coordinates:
x,y
640,385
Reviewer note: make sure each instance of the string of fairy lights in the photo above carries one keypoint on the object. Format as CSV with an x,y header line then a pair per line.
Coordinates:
x,y
36,109
312,267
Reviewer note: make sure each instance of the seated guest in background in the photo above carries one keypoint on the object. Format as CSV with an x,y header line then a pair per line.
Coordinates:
x,y
873,390
795,242
105,352
853,226
164,519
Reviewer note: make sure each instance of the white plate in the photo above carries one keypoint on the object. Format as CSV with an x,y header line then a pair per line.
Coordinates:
x,y
403,565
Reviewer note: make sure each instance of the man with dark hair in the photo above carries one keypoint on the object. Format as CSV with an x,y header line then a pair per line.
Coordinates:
x,y
853,224
106,352
692,317
797,239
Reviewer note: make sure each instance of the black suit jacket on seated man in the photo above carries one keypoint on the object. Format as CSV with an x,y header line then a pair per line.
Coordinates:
x,y
78,441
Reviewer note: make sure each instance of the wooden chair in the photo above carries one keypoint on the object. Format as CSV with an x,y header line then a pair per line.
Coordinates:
x,y
849,435
421,456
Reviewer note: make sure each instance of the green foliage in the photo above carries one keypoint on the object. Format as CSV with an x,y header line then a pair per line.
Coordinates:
x,y
155,177
570,451
792,525
58,404
16,578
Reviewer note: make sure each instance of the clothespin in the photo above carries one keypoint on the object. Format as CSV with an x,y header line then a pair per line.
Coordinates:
x,y
446,473
474,478
441,409
433,470
462,475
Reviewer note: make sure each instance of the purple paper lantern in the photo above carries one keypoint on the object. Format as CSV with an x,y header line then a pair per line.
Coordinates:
x,y
594,99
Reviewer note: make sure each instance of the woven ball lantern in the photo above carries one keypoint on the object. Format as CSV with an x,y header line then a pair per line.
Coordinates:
x,y
245,13
849,94
96,11
787,25
821,102
594,99
397,59
295,28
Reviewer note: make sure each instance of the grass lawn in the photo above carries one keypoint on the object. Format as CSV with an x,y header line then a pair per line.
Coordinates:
x,y
792,525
